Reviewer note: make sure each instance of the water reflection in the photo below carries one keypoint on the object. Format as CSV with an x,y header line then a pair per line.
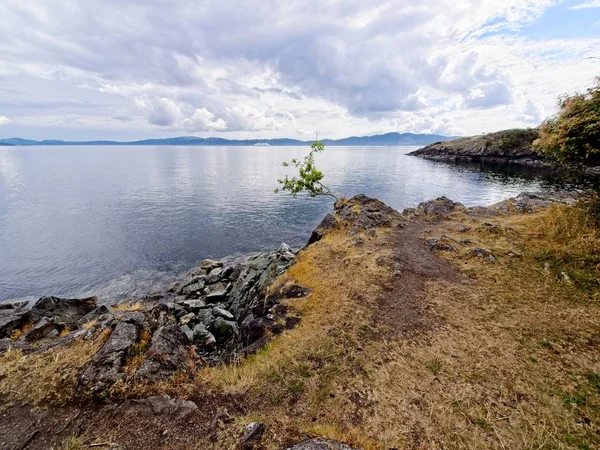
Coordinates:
x,y
116,219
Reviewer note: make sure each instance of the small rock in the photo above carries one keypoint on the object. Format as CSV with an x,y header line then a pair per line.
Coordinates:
x,y
220,312
193,305
184,320
216,296
284,248
210,264
96,314
566,278
320,444
480,252
252,435
188,332
193,289
224,330
168,354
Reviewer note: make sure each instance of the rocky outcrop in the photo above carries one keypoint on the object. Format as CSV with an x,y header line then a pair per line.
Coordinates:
x,y
47,319
502,147
510,146
359,213
221,305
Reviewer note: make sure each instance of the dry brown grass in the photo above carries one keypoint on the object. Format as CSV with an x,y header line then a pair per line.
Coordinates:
x,y
128,306
514,364
16,334
46,377
513,361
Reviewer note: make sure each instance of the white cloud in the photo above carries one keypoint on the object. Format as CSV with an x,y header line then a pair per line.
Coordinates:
x,y
276,68
204,120
585,5
159,111
4,120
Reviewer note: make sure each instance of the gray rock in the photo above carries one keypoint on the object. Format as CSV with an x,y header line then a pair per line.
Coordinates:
x,y
439,208
480,252
162,405
192,289
104,369
100,313
328,223
284,248
252,435
216,296
6,344
12,320
210,264
220,312
184,320
290,290
188,332
224,330
13,306
194,305
203,336
440,245
64,311
40,330
320,444
168,354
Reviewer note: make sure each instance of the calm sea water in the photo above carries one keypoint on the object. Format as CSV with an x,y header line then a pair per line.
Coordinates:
x,y
117,221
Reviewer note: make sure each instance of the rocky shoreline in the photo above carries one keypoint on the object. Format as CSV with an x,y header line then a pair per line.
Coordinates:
x,y
222,309
514,147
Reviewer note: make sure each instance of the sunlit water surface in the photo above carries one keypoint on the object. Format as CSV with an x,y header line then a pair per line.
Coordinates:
x,y
117,221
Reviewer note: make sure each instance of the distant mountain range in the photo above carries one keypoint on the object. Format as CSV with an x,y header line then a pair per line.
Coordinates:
x,y
388,139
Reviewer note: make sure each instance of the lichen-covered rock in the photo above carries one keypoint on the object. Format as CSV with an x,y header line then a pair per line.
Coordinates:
x,y
439,208
365,213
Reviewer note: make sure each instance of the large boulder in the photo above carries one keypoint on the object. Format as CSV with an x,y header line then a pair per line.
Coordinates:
x,y
104,369
439,208
11,320
167,354
63,311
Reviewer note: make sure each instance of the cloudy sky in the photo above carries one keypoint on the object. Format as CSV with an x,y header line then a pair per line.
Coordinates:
x,y
129,69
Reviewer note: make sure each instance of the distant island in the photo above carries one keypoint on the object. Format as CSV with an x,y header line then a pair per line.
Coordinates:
x,y
387,139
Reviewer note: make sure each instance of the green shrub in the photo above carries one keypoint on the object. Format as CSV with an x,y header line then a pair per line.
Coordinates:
x,y
573,135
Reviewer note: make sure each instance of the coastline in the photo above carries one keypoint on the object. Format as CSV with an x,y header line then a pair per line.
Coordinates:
x,y
276,331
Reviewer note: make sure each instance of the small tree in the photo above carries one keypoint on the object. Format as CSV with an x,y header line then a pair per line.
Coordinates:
x,y
309,179
573,135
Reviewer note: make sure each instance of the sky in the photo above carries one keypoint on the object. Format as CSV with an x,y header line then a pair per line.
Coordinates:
x,y
133,69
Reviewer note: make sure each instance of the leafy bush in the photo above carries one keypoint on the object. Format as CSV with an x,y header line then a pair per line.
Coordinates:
x,y
309,179
573,135
516,138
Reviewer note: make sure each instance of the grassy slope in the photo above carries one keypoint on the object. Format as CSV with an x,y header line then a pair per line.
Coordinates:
x,y
511,360
514,362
